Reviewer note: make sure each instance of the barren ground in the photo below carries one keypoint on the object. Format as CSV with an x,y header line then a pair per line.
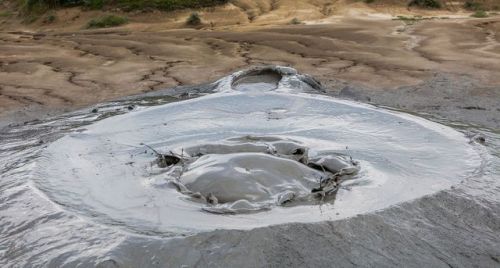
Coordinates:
x,y
449,64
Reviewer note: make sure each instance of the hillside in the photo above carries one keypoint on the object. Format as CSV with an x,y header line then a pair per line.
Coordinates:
x,y
140,14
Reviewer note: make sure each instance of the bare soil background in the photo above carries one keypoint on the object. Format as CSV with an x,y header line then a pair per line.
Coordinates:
x,y
446,64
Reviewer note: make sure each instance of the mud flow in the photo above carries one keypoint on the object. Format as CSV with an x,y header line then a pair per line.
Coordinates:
x,y
256,148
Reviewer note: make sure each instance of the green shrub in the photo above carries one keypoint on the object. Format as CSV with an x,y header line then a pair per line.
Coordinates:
x,y
41,6
368,1
35,6
49,19
32,3
55,3
167,5
106,21
479,14
471,5
425,3
295,21
93,4
193,19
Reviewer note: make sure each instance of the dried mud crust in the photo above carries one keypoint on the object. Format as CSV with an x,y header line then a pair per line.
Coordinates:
x,y
71,70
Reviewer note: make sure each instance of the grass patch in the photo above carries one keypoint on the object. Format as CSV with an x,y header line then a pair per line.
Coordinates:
x,y
194,19
431,4
5,14
409,20
479,14
106,21
49,19
295,21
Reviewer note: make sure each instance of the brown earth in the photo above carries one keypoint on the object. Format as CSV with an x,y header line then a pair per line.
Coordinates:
x,y
62,67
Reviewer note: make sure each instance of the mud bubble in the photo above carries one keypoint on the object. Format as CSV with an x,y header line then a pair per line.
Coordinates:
x,y
254,173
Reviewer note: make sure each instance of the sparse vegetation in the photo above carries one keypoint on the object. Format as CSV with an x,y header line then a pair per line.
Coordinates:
x,y
432,4
49,19
107,21
94,4
472,5
37,9
193,19
33,7
40,6
409,20
414,19
167,5
480,14
295,21
5,14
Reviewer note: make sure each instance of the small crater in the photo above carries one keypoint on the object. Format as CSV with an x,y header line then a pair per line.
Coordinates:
x,y
261,80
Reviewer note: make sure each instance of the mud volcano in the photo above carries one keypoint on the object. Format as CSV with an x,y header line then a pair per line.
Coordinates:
x,y
259,150
184,176
251,173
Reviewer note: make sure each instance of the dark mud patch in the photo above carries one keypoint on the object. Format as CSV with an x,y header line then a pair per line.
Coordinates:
x,y
452,97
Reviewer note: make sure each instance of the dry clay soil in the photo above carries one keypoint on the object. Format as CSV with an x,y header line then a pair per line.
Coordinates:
x,y
447,66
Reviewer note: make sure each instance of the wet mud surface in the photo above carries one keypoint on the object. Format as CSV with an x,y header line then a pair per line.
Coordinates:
x,y
143,181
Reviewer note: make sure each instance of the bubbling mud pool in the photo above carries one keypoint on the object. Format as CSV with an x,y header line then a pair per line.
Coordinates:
x,y
257,148
253,146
